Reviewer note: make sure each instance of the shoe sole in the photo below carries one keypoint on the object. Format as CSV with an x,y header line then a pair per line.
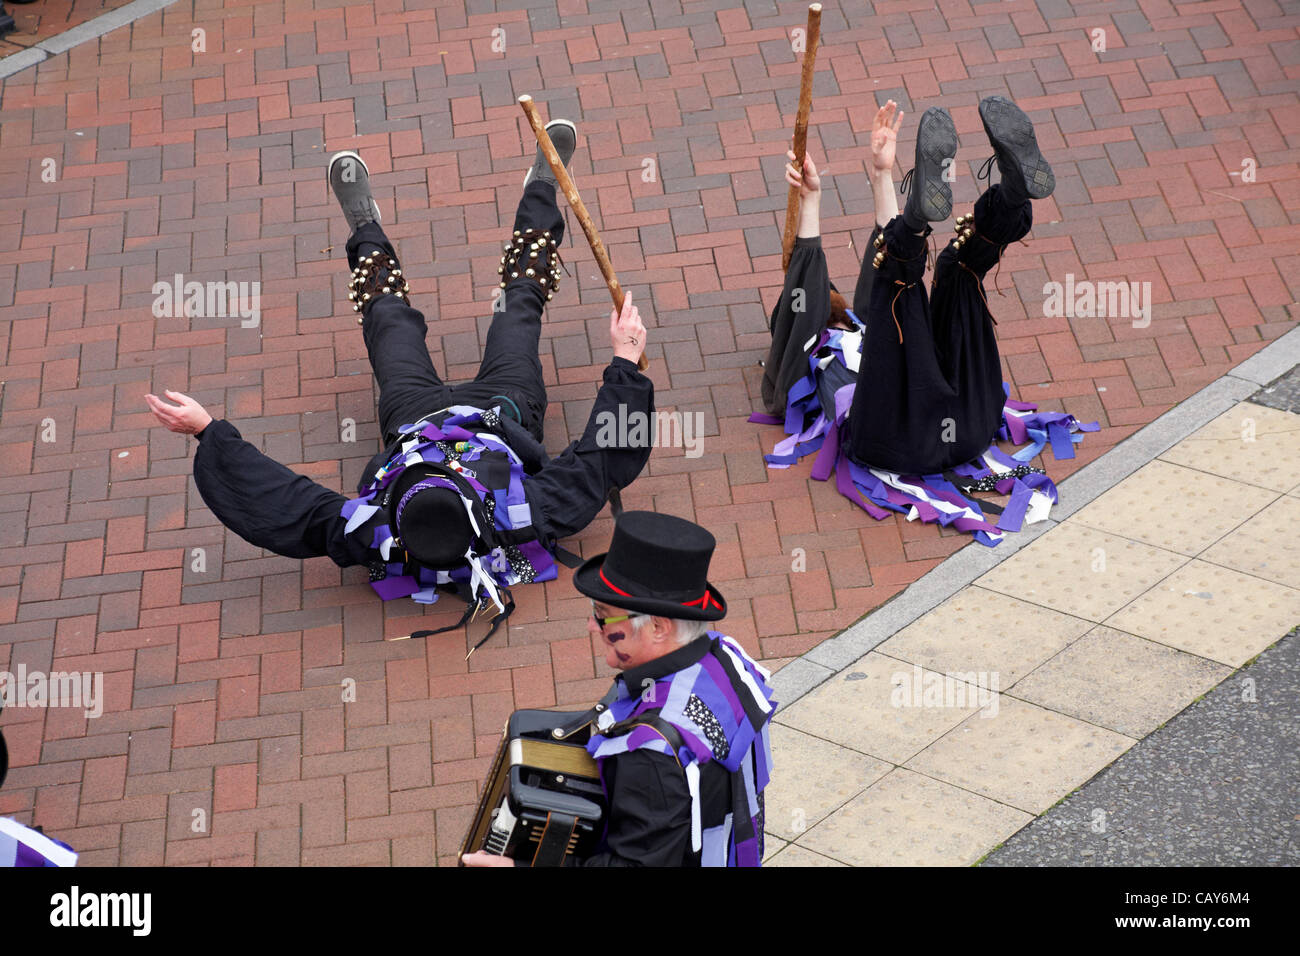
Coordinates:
x,y
1010,129
936,143
528,176
349,154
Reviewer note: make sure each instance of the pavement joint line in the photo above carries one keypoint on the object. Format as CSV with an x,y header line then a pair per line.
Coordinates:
x,y
965,566
1011,693
893,767
92,29
923,595
1169,740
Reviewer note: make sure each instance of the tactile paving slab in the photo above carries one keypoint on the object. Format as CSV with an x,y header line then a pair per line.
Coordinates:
x,y
1081,571
1213,612
1174,508
1119,681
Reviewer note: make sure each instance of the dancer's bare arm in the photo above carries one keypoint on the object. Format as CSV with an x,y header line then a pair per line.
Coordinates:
x,y
884,138
809,184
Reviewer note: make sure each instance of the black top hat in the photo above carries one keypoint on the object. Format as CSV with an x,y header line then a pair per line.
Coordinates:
x,y
656,564
432,522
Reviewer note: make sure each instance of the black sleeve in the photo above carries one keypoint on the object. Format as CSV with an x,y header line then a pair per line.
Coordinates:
x,y
572,487
268,505
799,315
649,812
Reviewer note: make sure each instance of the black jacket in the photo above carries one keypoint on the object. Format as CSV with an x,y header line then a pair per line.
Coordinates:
x,y
649,817
272,507
799,315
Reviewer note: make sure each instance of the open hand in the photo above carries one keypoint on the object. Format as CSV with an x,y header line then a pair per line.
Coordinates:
x,y
626,333
187,416
808,182
884,136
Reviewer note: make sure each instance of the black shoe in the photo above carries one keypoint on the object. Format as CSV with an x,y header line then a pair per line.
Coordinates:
x,y
350,180
564,137
1024,170
929,198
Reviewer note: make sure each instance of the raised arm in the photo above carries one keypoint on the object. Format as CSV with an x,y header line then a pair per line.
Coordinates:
x,y
572,488
804,307
884,139
809,184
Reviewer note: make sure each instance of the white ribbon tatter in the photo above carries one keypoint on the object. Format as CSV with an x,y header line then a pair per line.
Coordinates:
x,y
360,517
469,510
479,578
1040,504
693,784
851,346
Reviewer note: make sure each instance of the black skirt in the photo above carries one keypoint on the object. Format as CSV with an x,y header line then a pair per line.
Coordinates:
x,y
929,393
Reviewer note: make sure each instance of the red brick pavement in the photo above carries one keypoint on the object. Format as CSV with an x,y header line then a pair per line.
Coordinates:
x,y
224,682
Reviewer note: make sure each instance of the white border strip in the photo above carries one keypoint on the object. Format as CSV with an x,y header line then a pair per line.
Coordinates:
x,y
92,29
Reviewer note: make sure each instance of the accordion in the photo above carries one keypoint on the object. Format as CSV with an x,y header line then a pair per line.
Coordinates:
x,y
543,801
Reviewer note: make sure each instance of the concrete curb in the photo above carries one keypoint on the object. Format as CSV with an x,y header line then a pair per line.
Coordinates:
x,y
90,30
17,62
835,654
1271,362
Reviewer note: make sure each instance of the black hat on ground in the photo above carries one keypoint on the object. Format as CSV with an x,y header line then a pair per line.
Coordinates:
x,y
431,521
656,564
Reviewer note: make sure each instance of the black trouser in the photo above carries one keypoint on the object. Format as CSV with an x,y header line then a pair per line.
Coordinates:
x,y
929,393
409,388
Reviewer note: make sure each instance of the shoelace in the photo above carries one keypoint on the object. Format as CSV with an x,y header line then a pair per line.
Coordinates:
x,y
979,287
904,187
903,287
363,210
986,169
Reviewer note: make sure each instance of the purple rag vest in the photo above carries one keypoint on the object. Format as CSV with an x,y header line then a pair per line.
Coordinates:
x,y
455,443
722,706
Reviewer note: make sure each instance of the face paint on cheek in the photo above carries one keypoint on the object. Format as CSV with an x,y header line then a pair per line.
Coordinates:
x,y
614,639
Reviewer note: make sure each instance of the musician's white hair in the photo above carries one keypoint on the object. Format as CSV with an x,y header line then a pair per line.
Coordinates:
x,y
686,631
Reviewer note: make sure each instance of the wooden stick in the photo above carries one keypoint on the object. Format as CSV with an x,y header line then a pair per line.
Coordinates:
x,y
801,130
579,210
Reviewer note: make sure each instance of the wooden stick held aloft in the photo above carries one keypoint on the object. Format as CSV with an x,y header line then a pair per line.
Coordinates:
x,y
801,129
579,210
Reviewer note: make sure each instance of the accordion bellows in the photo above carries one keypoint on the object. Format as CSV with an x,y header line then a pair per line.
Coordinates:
x,y
543,801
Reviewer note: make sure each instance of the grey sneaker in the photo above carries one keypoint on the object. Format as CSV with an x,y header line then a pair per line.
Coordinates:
x,y
350,180
564,136
929,197
1024,169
